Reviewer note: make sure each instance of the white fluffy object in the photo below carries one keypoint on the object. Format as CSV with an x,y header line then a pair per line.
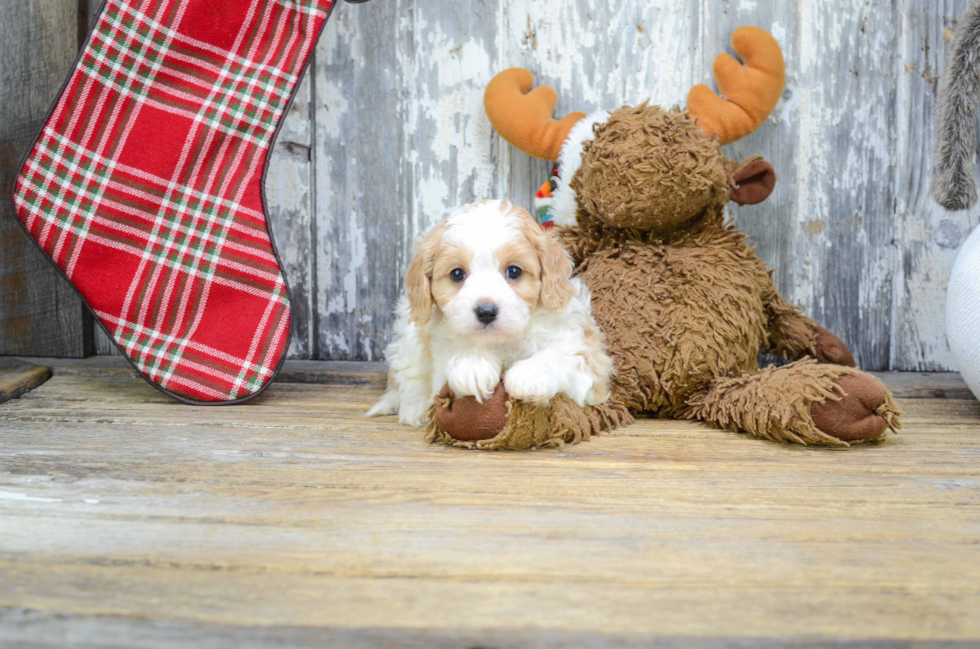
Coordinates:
x,y
963,312
565,205
539,347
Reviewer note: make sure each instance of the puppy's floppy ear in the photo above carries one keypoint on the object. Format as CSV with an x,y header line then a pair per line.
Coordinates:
x,y
418,281
556,263
556,270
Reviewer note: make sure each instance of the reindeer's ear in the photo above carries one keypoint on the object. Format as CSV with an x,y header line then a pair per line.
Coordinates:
x,y
752,181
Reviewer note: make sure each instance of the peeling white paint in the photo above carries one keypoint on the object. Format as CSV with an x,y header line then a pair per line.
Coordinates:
x,y
358,256
12,495
332,107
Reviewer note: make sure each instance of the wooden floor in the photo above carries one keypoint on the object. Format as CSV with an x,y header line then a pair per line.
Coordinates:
x,y
127,519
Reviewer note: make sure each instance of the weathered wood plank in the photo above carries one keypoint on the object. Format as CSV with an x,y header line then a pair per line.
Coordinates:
x,y
18,377
460,605
600,55
928,385
361,190
40,314
661,530
93,7
927,238
904,385
293,371
843,266
104,345
290,194
34,628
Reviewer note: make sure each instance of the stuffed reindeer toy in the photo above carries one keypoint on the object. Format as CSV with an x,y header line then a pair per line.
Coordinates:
x,y
681,297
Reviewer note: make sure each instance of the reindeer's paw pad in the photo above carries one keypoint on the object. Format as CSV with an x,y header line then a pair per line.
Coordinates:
x,y
863,413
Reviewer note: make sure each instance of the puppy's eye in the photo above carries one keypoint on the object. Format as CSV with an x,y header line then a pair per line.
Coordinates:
x,y
514,272
457,275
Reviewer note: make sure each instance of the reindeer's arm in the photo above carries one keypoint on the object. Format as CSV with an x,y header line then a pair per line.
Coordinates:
x,y
793,335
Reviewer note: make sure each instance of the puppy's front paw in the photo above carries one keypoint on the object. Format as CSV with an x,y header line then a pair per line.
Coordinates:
x,y
473,376
531,382
414,414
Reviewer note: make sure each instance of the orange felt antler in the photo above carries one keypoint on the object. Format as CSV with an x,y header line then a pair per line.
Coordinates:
x,y
750,91
523,116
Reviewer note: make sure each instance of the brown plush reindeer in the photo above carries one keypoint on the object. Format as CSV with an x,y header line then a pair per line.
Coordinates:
x,y
682,298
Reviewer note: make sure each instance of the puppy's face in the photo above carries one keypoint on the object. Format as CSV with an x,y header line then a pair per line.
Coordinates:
x,y
487,267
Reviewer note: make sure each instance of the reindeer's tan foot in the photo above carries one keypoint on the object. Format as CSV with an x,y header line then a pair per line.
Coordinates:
x,y
865,411
465,419
805,402
830,349
502,423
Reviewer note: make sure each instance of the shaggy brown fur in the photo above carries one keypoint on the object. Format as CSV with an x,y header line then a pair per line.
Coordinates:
x,y
677,316
531,427
762,405
684,302
666,190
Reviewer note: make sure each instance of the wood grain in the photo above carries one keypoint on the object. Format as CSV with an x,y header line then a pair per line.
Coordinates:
x,y
32,628
322,372
360,203
125,514
18,377
40,314
927,237
904,385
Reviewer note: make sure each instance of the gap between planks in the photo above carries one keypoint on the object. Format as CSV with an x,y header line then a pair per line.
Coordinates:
x,y
904,385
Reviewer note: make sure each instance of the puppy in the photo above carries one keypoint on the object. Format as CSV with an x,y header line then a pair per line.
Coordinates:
x,y
489,294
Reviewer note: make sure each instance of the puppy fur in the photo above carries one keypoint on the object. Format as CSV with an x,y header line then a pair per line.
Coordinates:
x,y
468,318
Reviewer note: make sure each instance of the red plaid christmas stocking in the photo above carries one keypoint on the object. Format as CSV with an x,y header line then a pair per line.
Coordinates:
x,y
145,185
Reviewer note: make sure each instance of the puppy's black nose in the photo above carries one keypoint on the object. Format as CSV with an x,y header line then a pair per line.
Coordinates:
x,y
486,312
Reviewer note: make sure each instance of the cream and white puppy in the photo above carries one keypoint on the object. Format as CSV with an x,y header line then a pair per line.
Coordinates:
x,y
489,294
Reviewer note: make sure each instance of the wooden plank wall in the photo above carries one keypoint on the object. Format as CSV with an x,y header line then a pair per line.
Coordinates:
x,y
388,135
40,314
